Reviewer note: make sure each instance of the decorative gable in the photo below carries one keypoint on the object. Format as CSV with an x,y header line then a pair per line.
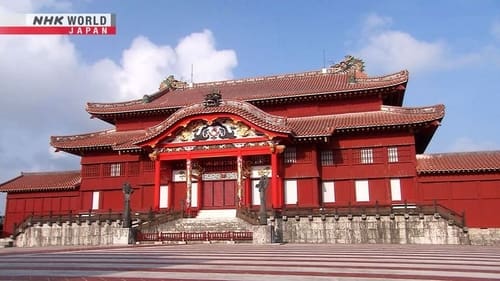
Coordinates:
x,y
219,129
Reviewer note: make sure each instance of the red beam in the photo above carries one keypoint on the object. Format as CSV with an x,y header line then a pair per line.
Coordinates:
x,y
214,153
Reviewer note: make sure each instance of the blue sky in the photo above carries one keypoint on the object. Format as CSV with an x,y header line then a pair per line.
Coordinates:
x,y
451,48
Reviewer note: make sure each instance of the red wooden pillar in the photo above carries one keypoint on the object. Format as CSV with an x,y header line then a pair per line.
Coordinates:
x,y
248,191
188,183
200,191
239,181
281,191
156,200
275,186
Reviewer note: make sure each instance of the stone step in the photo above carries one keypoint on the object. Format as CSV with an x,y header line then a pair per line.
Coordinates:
x,y
216,214
6,242
205,224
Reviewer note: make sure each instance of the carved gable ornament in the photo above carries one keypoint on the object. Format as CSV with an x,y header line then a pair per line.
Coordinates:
x,y
220,129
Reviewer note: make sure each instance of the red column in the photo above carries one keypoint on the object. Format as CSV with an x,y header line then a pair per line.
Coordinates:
x,y
239,181
156,200
275,187
200,191
188,184
248,191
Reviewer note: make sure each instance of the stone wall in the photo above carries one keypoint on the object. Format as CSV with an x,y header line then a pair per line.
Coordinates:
x,y
395,229
73,234
484,236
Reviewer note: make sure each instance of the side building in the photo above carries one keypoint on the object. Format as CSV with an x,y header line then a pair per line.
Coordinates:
x,y
333,138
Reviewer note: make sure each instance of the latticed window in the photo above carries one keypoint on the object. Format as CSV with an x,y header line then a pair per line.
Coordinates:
x,y
392,154
148,166
219,164
366,155
133,168
115,169
91,170
290,155
260,159
326,157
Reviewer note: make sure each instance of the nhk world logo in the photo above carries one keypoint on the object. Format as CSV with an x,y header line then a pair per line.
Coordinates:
x,y
66,24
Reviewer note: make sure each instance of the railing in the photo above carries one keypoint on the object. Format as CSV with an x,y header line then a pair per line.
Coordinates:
x,y
92,216
155,219
195,236
350,211
248,215
141,220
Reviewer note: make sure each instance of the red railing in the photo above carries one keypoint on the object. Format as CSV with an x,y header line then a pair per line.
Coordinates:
x,y
196,236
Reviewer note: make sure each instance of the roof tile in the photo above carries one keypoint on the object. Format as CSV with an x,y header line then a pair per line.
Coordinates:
x,y
482,161
43,181
270,87
321,125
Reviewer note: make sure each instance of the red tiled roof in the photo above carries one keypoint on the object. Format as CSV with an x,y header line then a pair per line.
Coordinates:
x,y
263,88
484,161
323,125
387,116
108,138
43,181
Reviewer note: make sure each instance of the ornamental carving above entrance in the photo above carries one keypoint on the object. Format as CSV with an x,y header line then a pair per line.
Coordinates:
x,y
220,129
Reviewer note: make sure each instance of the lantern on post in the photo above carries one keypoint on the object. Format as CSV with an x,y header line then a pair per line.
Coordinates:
x,y
127,191
262,186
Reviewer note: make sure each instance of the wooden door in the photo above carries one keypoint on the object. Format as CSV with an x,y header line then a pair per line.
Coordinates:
x,y
219,194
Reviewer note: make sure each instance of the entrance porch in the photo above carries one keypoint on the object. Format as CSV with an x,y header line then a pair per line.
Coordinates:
x,y
213,183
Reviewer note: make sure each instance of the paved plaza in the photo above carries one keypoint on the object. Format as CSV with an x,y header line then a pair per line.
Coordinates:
x,y
253,262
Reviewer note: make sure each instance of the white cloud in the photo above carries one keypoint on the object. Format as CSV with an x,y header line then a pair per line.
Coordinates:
x,y
198,49
142,68
387,50
394,50
144,65
25,6
468,144
45,85
373,23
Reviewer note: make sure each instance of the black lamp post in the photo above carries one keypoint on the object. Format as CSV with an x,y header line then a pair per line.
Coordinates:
x,y
262,186
127,191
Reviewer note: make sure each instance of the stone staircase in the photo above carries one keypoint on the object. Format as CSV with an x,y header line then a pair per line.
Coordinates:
x,y
216,214
215,222
207,220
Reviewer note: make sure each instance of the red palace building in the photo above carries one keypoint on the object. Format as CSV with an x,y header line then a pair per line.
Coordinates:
x,y
327,138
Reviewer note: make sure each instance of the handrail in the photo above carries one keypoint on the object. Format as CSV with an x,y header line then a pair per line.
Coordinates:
x,y
80,217
148,220
251,216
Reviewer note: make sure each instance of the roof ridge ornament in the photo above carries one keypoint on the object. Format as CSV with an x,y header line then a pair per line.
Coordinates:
x,y
171,83
348,64
212,99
